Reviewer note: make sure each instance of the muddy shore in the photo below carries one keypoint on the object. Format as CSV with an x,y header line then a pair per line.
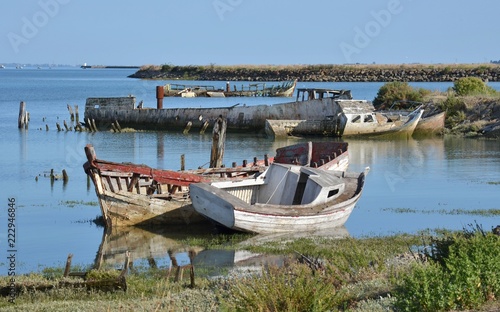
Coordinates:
x,y
323,73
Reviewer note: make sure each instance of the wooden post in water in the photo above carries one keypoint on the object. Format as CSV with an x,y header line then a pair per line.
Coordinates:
x,y
183,162
187,128
22,121
204,128
118,127
218,141
94,125
65,176
77,117
71,114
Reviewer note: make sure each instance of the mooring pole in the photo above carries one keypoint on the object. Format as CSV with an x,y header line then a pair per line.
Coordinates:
x,y
160,94
218,141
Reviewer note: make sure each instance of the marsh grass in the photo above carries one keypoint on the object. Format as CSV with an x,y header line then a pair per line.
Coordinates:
x,y
473,212
320,274
330,274
74,203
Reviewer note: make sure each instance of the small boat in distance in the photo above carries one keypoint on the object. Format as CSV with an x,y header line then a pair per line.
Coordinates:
x,y
284,198
1,66
285,89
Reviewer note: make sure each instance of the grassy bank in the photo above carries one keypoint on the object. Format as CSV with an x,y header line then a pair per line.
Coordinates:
x,y
438,272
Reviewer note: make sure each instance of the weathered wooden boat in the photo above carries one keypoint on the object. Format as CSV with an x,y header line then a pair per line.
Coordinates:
x,y
285,89
354,119
131,194
240,118
431,122
186,90
284,198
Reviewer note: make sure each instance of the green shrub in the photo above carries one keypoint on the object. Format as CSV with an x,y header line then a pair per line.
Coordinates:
x,y
295,288
464,273
455,109
398,91
472,86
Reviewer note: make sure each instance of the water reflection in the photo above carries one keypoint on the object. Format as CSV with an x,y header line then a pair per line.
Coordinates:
x,y
165,249
154,246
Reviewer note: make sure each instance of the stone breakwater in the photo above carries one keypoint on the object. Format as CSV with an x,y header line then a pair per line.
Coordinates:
x,y
319,73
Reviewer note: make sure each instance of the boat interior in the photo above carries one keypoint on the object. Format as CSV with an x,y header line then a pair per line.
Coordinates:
x,y
140,184
288,185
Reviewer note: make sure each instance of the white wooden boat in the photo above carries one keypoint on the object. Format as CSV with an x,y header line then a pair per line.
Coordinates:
x,y
356,119
282,199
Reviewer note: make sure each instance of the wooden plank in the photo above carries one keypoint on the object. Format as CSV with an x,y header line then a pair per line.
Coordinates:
x,y
110,184
218,141
133,182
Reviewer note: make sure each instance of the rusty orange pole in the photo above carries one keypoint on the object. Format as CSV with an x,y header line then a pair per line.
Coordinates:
x,y
160,93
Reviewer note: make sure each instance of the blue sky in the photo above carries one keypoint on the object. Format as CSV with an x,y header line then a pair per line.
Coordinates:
x,y
226,32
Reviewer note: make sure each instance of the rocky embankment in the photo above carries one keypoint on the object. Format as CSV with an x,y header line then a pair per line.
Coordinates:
x,y
482,118
327,73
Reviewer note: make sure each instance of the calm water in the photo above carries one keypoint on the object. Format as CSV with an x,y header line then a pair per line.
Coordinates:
x,y
412,185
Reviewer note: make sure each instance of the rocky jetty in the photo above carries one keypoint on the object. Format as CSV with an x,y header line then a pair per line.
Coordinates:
x,y
327,73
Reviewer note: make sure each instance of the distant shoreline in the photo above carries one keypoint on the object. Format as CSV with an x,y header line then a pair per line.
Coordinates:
x,y
103,66
323,73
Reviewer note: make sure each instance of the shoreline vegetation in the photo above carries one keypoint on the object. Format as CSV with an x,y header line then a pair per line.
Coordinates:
x,y
430,271
322,73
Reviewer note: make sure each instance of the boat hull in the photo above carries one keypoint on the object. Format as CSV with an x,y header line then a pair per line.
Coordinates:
x,y
123,208
431,125
286,89
284,128
239,118
233,210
